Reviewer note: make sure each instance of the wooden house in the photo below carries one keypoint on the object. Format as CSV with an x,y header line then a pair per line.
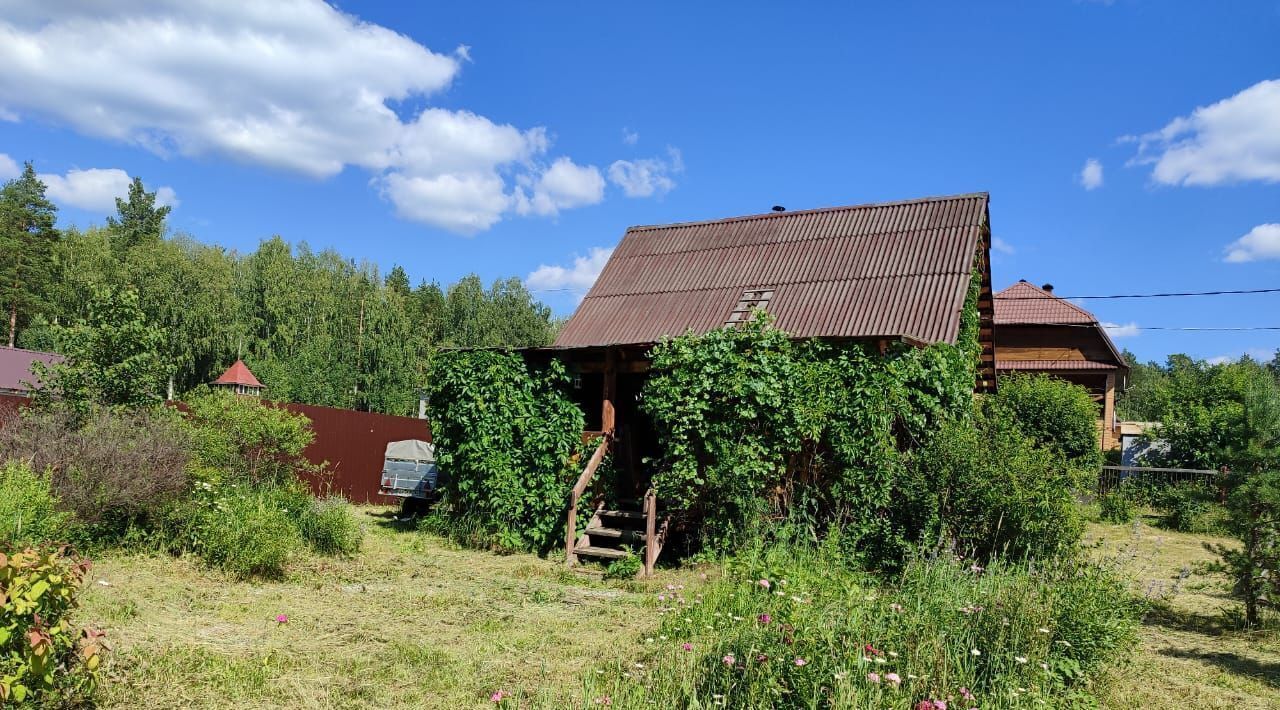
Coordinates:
x,y
1038,332
875,273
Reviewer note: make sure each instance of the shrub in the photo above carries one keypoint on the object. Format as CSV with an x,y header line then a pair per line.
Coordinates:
x,y
28,510
624,567
508,436
330,527
1053,412
252,531
44,660
113,468
796,626
239,439
984,488
1115,506
1185,506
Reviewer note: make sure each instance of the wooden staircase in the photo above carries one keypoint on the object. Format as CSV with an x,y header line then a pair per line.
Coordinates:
x,y
611,532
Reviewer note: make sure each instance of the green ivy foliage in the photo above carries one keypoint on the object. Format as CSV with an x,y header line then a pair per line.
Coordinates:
x,y
507,439
747,416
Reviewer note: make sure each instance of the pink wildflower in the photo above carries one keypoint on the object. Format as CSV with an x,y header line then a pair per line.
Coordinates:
x,y
687,646
964,693
939,705
729,660
873,677
765,618
497,696
893,678
761,658
764,583
282,618
872,650
604,700
801,662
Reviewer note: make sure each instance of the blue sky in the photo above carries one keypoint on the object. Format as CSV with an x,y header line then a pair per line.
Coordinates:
x,y
501,138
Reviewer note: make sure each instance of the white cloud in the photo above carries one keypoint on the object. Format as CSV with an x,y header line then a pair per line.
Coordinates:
x,y
1000,245
296,85
8,167
1259,354
630,137
1091,174
577,278
1233,140
649,176
1127,330
7,115
562,186
96,189
1262,242
1220,360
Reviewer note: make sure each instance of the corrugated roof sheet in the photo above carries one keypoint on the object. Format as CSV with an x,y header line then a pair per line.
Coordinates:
x,y
1055,365
1025,304
884,270
15,367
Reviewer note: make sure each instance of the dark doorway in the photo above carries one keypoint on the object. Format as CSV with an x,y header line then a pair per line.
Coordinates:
x,y
637,438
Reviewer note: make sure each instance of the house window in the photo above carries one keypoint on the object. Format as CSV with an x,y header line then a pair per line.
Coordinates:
x,y
752,299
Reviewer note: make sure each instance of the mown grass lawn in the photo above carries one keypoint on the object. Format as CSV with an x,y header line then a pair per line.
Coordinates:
x,y
1191,654
412,621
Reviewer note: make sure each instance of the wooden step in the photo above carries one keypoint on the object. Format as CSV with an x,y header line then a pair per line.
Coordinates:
x,y
617,534
632,514
609,553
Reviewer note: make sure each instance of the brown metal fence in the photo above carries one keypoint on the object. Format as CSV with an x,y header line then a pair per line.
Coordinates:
x,y
351,444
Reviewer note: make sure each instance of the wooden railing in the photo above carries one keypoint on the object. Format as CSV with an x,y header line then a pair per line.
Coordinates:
x,y
654,537
579,488
1112,476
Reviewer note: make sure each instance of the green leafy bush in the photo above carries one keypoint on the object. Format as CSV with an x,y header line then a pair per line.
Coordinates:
x,y
28,509
797,626
1116,506
252,531
1185,506
509,438
330,527
1053,412
44,659
240,439
986,489
750,420
625,567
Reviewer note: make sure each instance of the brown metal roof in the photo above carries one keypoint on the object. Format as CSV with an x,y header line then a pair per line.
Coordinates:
x,y
15,367
898,269
1025,304
1055,365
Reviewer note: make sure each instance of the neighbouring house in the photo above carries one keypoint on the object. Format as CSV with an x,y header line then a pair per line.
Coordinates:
x,y
16,371
239,379
877,273
1038,332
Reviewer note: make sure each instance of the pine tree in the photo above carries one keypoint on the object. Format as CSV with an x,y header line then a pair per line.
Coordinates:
x,y
27,240
140,221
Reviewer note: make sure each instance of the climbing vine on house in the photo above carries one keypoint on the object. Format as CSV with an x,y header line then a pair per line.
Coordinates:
x,y
507,435
750,419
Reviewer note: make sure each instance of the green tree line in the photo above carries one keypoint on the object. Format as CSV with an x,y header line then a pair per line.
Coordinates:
x,y
315,326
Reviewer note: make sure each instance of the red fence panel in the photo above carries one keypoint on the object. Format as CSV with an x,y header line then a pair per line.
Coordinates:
x,y
353,443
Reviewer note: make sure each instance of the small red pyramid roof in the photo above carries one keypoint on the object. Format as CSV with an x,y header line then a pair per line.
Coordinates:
x,y
238,374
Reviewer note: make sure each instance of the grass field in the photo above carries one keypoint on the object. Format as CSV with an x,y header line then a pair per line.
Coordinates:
x,y
413,621
1191,654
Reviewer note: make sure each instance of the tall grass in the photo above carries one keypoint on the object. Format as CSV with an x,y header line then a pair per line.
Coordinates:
x,y
28,508
795,626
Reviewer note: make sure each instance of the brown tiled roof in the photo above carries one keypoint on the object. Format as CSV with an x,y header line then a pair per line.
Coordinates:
x,y
1055,365
897,269
1025,304
15,367
238,374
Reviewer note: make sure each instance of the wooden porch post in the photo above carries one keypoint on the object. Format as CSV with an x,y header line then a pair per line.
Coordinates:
x,y
1109,412
607,410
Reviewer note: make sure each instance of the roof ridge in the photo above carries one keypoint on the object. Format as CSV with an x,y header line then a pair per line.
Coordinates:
x,y
815,210
1059,299
806,240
